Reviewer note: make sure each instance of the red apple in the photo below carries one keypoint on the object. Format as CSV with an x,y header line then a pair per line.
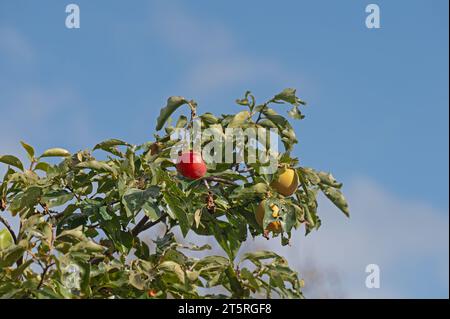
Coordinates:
x,y
191,165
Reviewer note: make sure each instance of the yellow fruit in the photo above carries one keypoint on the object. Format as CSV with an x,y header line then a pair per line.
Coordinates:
x,y
287,182
274,226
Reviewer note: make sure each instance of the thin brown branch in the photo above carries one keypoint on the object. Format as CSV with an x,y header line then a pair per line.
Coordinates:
x,y
151,224
43,275
77,196
261,112
8,226
220,180
137,229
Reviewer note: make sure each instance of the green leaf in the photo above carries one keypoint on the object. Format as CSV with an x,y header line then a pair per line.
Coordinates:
x,y
85,277
236,287
96,165
281,122
328,179
182,121
248,192
29,149
194,247
105,145
337,198
87,246
192,275
103,211
137,281
259,255
46,293
76,233
180,214
55,152
209,262
289,217
10,255
134,200
266,123
152,211
310,174
288,95
42,166
173,267
284,127
209,118
11,160
227,236
295,113
250,277
173,103
6,240
57,198
197,217
27,199
246,102
239,119
310,218
19,270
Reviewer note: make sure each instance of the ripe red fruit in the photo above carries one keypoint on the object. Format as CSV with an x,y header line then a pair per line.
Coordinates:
x,y
191,165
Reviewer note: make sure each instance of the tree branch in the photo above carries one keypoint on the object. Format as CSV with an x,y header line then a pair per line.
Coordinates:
x,y
151,224
144,224
43,275
220,180
8,226
260,112
137,229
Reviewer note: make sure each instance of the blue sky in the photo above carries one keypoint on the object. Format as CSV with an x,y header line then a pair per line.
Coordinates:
x,y
377,113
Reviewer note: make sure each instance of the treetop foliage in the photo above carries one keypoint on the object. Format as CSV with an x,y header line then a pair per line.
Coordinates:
x,y
80,218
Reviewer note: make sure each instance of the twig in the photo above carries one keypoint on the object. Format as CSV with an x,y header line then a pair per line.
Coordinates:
x,y
245,170
43,275
144,224
137,229
262,109
260,112
151,224
220,180
77,196
19,237
8,226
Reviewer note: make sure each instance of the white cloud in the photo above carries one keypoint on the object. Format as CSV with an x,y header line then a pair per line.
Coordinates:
x,y
215,61
406,238
14,45
41,116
